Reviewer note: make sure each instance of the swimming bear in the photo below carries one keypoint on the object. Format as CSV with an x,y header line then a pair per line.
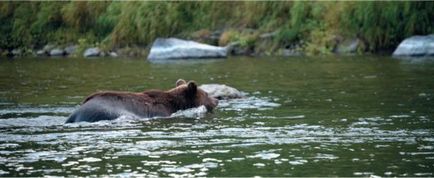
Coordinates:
x,y
151,103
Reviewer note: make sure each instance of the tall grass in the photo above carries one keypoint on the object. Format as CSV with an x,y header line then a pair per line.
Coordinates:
x,y
116,24
384,24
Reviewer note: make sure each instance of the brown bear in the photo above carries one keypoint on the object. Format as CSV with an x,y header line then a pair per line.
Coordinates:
x,y
147,104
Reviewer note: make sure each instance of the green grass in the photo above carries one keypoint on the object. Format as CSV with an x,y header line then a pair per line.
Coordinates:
x,y
381,25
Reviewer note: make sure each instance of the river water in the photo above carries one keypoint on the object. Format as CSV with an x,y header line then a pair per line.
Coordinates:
x,y
319,116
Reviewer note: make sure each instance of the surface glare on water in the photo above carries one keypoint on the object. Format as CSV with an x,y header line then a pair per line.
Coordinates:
x,y
338,116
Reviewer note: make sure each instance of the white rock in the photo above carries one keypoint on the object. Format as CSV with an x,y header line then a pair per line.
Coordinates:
x,y
57,52
221,91
416,46
92,52
173,48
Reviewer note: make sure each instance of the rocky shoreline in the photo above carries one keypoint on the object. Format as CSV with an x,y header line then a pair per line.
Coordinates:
x,y
220,44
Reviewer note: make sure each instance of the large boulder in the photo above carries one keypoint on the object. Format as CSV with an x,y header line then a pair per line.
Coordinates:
x,y
221,91
57,52
92,52
173,48
416,46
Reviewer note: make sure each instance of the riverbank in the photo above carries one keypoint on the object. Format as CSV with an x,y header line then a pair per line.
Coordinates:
x,y
243,42
217,44
257,28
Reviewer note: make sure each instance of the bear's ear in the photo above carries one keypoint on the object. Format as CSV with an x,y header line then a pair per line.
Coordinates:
x,y
191,88
180,82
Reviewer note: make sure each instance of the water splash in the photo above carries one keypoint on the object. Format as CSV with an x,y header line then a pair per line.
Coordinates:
x,y
252,102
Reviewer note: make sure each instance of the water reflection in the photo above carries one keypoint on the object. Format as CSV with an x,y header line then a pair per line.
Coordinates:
x,y
302,118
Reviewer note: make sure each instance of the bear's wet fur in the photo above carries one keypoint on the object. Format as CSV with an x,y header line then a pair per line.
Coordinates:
x,y
151,103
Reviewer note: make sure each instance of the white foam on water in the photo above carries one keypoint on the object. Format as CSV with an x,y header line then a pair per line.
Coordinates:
x,y
259,164
39,121
252,102
197,112
298,162
3,172
90,160
176,169
400,116
44,156
75,145
40,110
265,155
326,156
423,174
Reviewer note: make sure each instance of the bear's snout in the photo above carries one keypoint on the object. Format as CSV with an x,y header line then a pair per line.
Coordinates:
x,y
215,102
212,103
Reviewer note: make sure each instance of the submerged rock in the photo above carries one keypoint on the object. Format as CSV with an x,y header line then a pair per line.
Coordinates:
x,y
221,91
416,46
173,48
92,52
57,52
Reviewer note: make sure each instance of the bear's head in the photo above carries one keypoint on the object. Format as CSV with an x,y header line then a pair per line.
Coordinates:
x,y
193,96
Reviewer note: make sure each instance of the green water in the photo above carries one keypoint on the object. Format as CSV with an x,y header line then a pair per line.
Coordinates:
x,y
322,116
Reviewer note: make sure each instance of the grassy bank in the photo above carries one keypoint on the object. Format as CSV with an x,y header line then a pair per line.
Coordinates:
x,y
316,27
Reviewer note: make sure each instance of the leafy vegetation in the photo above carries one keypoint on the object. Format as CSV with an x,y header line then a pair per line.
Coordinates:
x,y
318,25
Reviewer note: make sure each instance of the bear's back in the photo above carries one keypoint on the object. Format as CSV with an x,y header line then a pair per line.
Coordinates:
x,y
111,105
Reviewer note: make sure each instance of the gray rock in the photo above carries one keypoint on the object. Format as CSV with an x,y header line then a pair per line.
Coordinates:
x,y
48,47
268,35
236,49
416,46
57,52
349,46
221,91
113,54
17,52
290,52
216,35
173,48
41,53
70,49
103,54
92,52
